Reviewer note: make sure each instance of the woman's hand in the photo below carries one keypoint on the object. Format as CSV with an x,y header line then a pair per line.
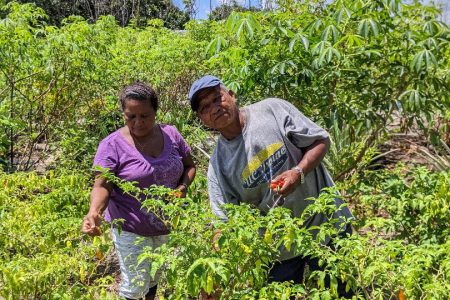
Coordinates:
x,y
188,175
183,190
91,223
99,201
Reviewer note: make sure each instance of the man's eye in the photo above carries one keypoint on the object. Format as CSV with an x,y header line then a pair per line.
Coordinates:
x,y
205,108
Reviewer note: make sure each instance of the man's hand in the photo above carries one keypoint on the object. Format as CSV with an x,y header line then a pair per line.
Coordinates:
x,y
91,223
289,179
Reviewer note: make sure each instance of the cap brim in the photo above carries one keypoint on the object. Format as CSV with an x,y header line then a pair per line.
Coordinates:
x,y
194,100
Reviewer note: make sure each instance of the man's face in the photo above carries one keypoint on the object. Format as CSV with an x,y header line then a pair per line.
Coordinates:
x,y
217,107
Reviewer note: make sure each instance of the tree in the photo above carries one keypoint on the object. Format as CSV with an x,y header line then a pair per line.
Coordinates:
x,y
190,8
223,11
351,64
123,10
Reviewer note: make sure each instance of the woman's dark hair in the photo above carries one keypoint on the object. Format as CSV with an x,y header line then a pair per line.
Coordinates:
x,y
141,92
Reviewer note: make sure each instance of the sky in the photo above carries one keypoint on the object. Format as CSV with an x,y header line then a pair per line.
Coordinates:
x,y
203,6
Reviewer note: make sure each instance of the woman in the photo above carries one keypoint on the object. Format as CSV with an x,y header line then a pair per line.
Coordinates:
x,y
148,153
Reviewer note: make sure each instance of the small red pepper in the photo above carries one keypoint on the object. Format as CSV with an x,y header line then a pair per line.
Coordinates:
x,y
177,194
276,184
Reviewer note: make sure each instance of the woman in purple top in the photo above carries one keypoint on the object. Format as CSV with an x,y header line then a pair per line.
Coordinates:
x,y
147,153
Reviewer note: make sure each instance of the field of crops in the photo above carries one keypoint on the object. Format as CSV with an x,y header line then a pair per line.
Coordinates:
x,y
368,71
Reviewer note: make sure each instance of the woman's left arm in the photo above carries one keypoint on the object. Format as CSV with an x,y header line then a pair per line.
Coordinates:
x,y
188,175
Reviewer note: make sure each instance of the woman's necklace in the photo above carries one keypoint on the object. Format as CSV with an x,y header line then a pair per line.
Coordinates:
x,y
141,146
150,138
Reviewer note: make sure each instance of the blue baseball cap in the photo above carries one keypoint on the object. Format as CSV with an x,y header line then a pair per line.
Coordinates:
x,y
206,81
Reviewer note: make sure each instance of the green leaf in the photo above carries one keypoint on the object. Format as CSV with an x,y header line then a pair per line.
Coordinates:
x,y
351,40
424,57
242,26
370,53
299,37
314,26
342,13
330,31
430,43
328,54
413,99
209,284
319,47
216,45
367,26
432,27
232,20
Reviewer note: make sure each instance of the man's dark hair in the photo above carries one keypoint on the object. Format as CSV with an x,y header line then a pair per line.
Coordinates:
x,y
139,91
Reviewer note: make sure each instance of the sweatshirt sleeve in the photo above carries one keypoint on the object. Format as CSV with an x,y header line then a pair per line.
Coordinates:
x,y
216,195
299,129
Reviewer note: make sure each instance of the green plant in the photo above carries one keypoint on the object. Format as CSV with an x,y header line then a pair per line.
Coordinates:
x,y
43,253
406,252
346,64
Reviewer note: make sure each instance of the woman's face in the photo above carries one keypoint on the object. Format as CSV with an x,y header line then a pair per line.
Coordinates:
x,y
139,117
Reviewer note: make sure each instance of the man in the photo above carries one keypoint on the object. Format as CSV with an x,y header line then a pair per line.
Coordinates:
x,y
269,141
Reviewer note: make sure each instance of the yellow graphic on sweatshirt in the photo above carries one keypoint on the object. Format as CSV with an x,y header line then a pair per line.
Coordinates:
x,y
263,165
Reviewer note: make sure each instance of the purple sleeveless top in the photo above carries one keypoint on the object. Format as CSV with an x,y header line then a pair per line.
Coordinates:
x,y
127,163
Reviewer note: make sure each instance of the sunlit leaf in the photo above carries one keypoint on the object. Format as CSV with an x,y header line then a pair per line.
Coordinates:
x,y
423,58
367,27
299,37
330,32
215,46
432,27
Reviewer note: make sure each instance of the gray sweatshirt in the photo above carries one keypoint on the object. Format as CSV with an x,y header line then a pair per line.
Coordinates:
x,y
240,169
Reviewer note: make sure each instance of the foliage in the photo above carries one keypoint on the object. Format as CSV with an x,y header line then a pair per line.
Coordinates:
x,y
43,253
402,219
222,12
125,12
60,85
235,266
403,216
352,64
349,65
415,202
406,252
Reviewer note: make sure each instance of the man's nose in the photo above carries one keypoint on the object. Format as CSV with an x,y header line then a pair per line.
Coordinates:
x,y
215,109
215,106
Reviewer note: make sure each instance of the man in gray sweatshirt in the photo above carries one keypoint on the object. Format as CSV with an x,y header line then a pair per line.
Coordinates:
x,y
264,142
